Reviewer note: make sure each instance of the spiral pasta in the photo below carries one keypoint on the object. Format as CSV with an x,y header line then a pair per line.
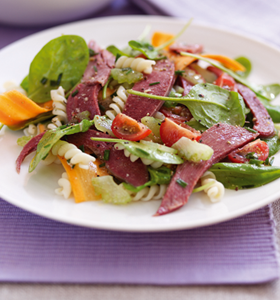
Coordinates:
x,y
72,153
154,192
31,130
137,64
59,108
133,158
216,191
65,186
119,103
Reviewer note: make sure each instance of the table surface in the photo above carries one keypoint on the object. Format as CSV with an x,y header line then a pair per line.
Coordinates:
x,y
16,291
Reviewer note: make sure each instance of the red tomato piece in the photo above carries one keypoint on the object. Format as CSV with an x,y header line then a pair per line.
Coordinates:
x,y
226,81
170,132
127,128
259,150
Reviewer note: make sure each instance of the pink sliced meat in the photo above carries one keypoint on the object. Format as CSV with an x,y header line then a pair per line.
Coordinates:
x,y
30,147
138,107
223,139
185,84
135,173
182,47
99,68
83,98
84,139
263,123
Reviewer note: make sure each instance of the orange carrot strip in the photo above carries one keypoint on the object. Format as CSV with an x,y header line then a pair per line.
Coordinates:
x,y
16,108
80,179
226,61
160,38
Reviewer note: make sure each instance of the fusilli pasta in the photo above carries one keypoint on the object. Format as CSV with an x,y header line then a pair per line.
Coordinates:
x,y
137,64
65,186
154,192
72,153
59,108
118,105
133,158
216,191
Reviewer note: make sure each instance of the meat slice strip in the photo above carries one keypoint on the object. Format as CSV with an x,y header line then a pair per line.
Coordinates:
x,y
223,139
182,47
84,98
263,123
135,173
30,147
138,107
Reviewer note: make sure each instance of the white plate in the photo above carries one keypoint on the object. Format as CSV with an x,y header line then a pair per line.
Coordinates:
x,y
35,192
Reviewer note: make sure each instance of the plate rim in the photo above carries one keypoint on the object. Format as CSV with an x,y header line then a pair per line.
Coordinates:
x,y
162,227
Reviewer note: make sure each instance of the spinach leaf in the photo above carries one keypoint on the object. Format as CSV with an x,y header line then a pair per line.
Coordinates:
x,y
260,90
246,63
24,83
148,150
52,136
161,175
147,49
196,125
273,144
209,114
273,110
242,176
61,62
116,51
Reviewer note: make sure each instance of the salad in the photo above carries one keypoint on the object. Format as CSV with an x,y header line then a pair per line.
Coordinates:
x,y
159,119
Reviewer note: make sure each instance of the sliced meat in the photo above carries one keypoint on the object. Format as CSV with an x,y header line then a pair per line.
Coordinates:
x,y
223,139
30,147
218,72
96,147
138,107
185,84
135,173
99,68
85,99
182,47
263,123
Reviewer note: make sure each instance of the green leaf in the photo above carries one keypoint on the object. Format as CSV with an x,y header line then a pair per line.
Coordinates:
x,y
246,63
161,175
196,125
237,77
22,141
116,51
242,176
149,150
62,61
273,144
52,136
147,49
209,114
270,91
24,83
126,75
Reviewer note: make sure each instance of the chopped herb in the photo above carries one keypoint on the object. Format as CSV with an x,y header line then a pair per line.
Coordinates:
x,y
74,93
82,148
181,182
44,80
106,154
179,72
95,68
117,57
73,166
102,165
251,155
92,52
154,83
101,107
250,129
129,71
68,160
56,82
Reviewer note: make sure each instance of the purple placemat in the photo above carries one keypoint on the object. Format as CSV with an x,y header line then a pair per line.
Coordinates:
x,y
35,249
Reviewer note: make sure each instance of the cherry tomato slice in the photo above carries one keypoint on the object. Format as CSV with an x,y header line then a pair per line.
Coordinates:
x,y
127,128
258,150
226,81
170,132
